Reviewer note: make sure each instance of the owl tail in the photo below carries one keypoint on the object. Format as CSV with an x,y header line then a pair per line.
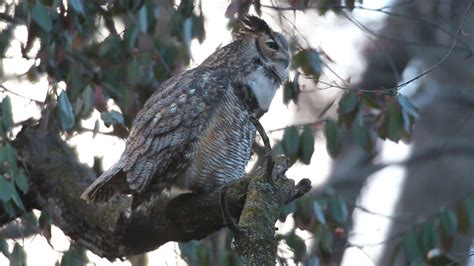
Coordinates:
x,y
111,182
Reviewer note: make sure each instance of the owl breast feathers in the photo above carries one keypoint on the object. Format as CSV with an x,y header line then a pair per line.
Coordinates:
x,y
195,132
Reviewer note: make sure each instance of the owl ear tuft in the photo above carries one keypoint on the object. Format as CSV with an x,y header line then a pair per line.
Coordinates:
x,y
251,25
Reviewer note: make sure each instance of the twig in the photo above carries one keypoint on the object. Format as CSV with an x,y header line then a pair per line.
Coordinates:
x,y
300,125
398,87
5,89
446,56
108,21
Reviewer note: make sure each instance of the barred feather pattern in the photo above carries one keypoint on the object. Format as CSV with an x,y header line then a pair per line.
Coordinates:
x,y
224,148
194,132
195,117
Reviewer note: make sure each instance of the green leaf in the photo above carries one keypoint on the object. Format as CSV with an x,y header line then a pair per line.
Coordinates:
x,y
21,181
348,103
303,213
2,128
44,222
287,92
407,122
133,72
199,31
307,145
394,122
8,159
75,256
333,137
407,106
308,60
112,118
462,215
204,254
338,210
29,220
96,128
370,100
291,90
411,249
448,222
287,209
360,133
394,255
75,81
469,206
78,106
427,237
40,15
89,100
143,19
448,226
195,253
297,245
291,141
318,212
187,31
6,189
188,252
65,111
7,116
44,219
18,256
77,6
17,200
325,239
9,207
131,36
4,248
315,62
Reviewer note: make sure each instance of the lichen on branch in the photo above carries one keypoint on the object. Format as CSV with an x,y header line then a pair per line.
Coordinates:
x,y
111,230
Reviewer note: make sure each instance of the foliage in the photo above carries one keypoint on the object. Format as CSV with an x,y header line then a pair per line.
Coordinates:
x,y
203,253
13,180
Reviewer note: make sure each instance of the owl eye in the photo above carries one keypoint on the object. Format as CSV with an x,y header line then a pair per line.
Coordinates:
x,y
272,45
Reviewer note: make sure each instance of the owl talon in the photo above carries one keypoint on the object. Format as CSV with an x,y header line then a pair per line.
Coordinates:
x,y
268,148
236,230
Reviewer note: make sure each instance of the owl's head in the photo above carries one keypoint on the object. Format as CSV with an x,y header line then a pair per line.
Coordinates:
x,y
271,46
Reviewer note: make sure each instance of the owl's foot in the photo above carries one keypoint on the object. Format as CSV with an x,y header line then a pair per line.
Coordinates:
x,y
236,230
268,147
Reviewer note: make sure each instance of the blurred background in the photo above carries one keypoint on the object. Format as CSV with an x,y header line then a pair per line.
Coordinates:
x,y
376,112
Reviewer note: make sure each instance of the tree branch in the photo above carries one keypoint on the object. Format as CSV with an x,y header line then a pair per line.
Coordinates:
x,y
111,230
257,245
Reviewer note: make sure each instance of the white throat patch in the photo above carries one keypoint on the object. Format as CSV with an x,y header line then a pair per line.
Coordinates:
x,y
263,87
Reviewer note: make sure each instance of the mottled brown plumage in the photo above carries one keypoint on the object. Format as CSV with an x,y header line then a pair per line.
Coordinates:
x,y
194,132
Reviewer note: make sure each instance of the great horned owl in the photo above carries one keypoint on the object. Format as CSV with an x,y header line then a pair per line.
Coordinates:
x,y
195,132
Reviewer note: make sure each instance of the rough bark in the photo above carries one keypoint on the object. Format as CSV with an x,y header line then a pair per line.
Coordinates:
x,y
111,230
257,245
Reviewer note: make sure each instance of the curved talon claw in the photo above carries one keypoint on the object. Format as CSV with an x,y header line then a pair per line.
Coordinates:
x,y
236,230
268,147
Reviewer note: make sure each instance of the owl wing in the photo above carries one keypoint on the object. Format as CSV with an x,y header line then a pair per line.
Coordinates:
x,y
164,131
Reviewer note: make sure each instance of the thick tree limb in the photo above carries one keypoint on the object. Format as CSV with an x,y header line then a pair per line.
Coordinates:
x,y
111,230
258,246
